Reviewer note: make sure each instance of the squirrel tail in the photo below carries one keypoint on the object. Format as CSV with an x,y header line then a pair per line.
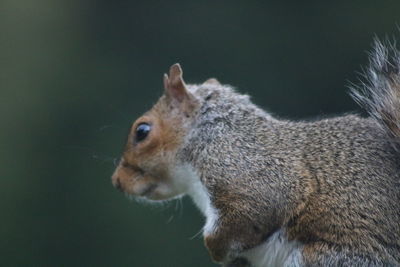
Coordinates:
x,y
380,93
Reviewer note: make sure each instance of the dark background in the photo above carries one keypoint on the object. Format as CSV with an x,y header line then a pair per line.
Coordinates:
x,y
75,74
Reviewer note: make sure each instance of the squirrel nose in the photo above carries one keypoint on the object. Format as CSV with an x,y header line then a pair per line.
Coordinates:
x,y
117,184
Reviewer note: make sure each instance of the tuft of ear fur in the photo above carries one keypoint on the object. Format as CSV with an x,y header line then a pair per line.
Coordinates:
x,y
177,92
380,93
174,85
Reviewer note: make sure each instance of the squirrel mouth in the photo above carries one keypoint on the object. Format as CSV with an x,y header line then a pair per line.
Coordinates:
x,y
147,191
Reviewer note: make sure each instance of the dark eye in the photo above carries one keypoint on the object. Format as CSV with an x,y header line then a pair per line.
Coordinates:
x,y
142,131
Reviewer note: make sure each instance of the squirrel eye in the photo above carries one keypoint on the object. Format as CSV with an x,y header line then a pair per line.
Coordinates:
x,y
142,131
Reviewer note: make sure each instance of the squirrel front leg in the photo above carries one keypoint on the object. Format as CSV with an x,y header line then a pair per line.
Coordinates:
x,y
220,252
238,262
218,245
230,239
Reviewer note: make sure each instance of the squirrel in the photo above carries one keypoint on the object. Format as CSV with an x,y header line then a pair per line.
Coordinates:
x,y
276,192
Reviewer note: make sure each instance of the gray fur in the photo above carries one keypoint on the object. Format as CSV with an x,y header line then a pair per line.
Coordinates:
x,y
320,193
333,184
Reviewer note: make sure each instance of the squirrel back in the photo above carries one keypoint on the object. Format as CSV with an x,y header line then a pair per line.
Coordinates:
x,y
276,192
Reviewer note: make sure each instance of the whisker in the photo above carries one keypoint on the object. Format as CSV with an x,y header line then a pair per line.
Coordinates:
x,y
104,158
197,234
102,128
181,208
176,205
169,219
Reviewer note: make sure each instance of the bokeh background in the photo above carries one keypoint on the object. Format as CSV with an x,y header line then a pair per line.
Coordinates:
x,y
75,74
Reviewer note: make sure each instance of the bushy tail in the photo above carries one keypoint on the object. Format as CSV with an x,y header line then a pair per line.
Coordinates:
x,y
380,94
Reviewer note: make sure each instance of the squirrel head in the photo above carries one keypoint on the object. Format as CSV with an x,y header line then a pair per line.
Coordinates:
x,y
146,168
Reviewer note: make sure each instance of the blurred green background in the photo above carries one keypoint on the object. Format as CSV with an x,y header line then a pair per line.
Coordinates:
x,y
75,74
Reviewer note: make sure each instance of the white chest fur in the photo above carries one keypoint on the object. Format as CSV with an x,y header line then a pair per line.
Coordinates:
x,y
187,178
275,251
201,197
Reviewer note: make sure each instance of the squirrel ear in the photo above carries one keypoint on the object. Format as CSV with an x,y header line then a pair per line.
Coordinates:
x,y
213,81
174,85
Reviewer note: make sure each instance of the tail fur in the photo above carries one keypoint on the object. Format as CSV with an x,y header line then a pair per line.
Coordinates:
x,y
380,93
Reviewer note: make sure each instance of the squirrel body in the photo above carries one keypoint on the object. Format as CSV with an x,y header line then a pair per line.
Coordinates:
x,y
276,192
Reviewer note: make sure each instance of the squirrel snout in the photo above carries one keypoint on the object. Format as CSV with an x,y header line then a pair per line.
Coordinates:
x,y
116,182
